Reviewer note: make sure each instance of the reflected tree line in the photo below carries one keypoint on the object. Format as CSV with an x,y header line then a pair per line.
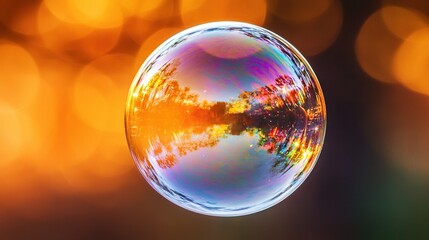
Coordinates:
x,y
176,122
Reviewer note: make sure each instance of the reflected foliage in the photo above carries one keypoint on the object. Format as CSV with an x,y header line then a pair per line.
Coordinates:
x,y
174,121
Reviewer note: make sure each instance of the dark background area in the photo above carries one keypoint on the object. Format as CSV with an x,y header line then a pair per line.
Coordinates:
x,y
65,170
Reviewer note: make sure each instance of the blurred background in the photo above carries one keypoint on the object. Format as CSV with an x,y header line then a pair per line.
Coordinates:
x,y
65,70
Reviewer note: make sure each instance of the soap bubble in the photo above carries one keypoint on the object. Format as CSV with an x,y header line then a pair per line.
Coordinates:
x,y
225,119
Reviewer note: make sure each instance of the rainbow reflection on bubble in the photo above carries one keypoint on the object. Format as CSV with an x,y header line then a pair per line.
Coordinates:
x,y
225,119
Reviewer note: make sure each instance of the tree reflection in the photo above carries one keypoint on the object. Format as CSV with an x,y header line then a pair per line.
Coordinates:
x,y
175,122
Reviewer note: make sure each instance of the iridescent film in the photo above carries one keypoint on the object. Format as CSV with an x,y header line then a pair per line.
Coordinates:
x,y
225,119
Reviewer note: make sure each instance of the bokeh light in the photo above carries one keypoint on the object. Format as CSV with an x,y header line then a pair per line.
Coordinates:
x,y
375,47
300,11
225,119
195,12
58,35
312,26
412,60
39,128
24,20
98,14
148,9
97,93
401,21
10,133
381,36
17,65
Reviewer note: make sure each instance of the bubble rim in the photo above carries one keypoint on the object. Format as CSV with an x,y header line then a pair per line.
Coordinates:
x,y
284,193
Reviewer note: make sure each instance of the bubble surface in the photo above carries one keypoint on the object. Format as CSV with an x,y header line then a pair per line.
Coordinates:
x,y
225,119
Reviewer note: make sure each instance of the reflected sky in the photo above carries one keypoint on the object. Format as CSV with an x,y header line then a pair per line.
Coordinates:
x,y
227,174
225,119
